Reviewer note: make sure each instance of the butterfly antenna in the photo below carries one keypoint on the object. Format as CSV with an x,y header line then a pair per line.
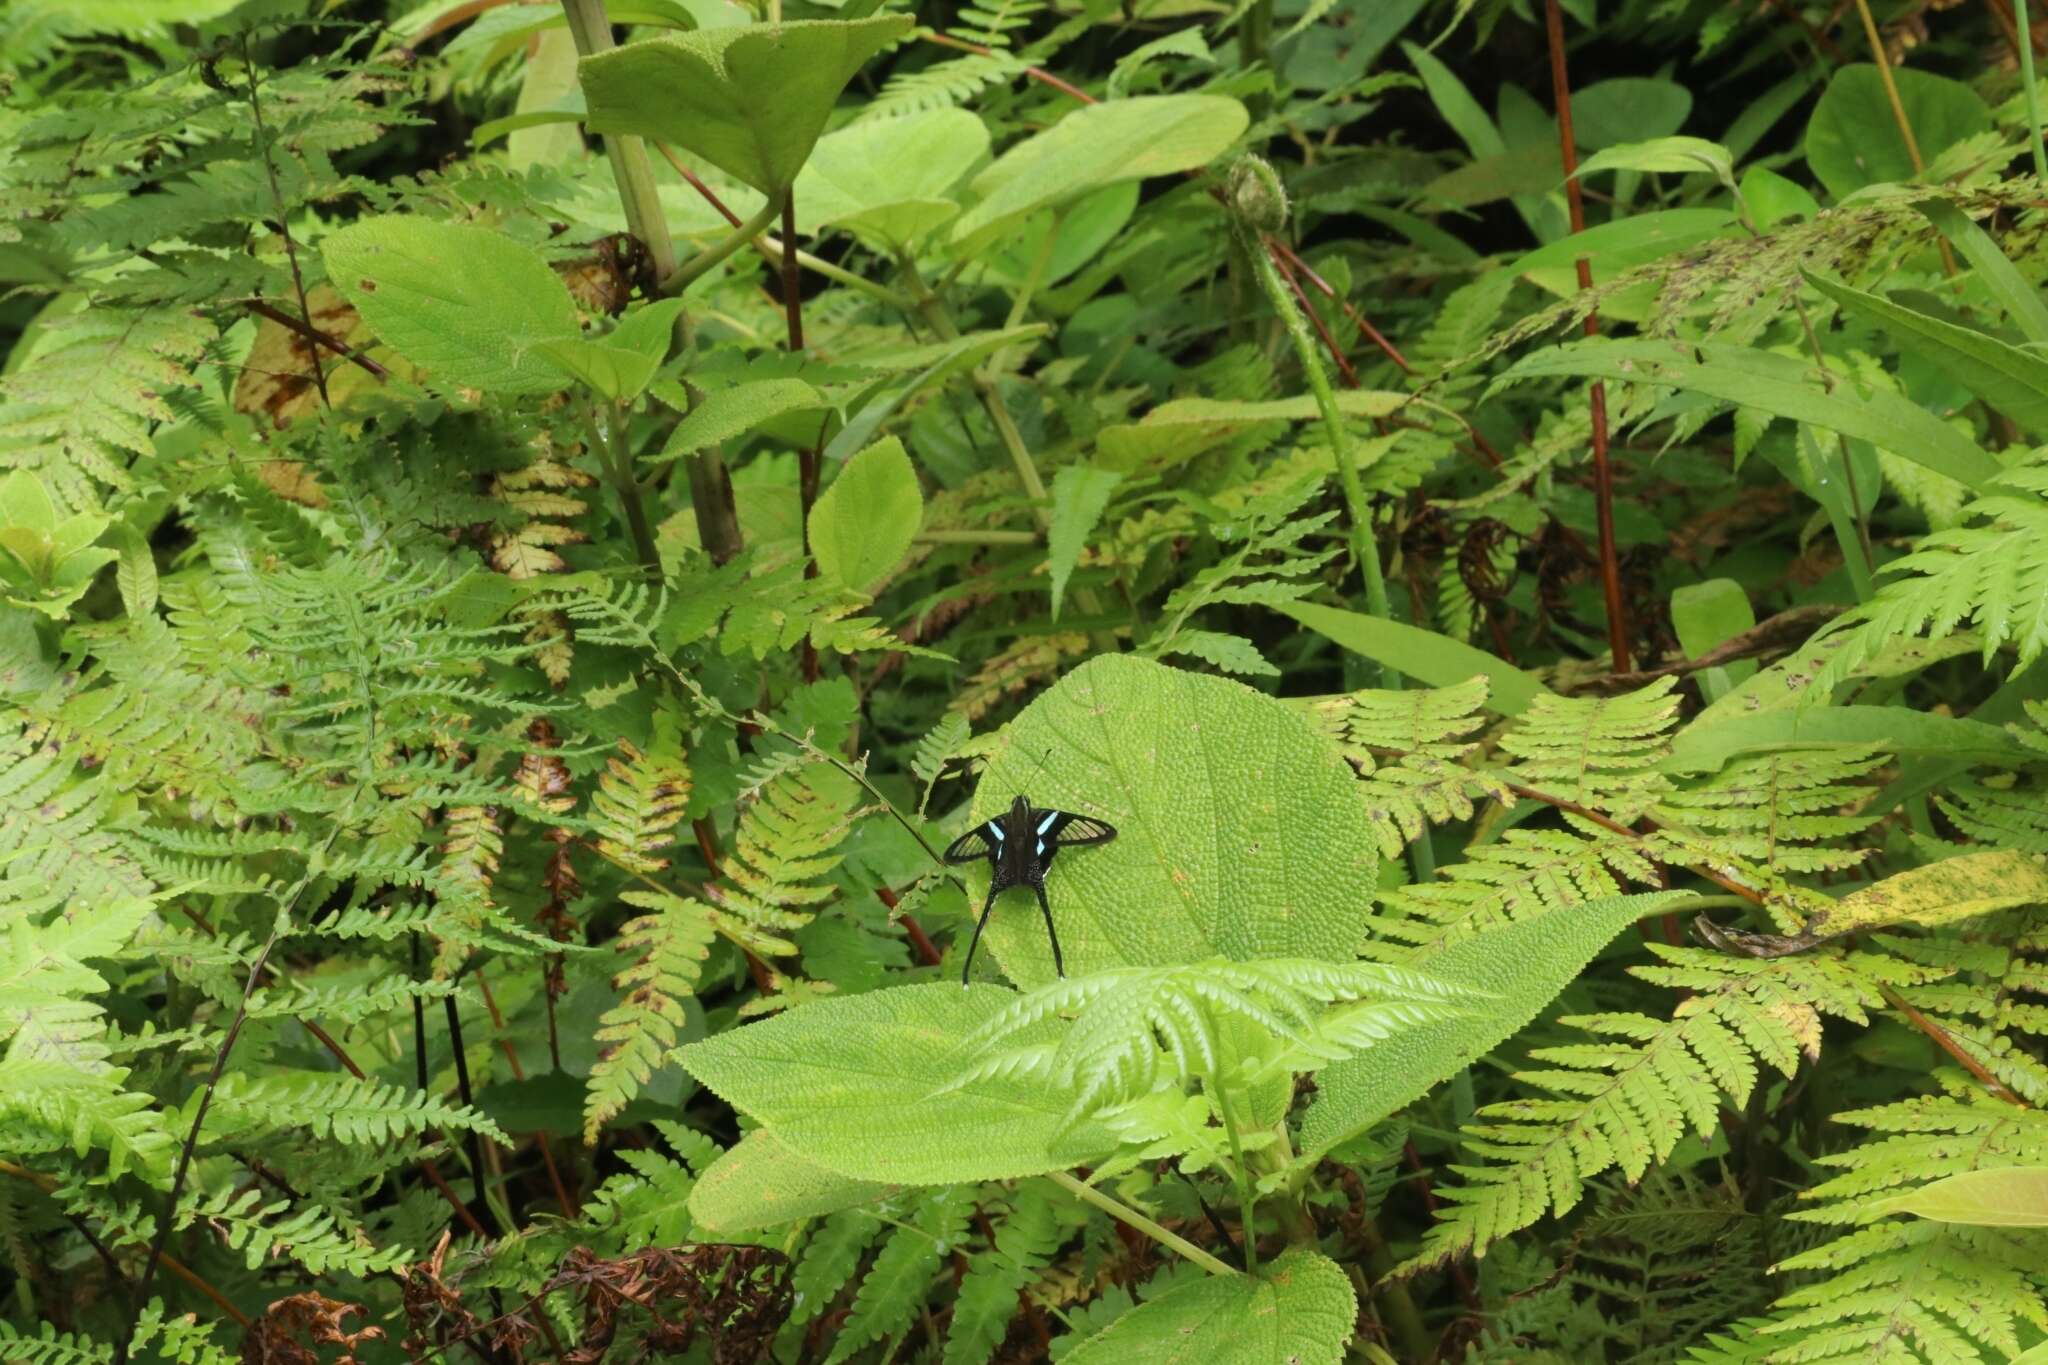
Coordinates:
x,y
1059,968
975,942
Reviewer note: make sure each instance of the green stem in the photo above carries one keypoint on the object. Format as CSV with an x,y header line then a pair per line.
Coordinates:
x,y
1363,546
618,472
2019,10
933,310
771,247
1129,1216
1247,1199
681,278
591,30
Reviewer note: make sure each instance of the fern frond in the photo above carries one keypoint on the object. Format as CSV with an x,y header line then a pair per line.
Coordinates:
x,y
56,1085
1407,748
338,1106
180,1340
1624,1100
1523,873
1989,575
311,1236
671,944
942,85
1022,665
640,799
54,842
895,1285
1027,1237
1782,812
784,843
1271,563
1599,752
1138,1029
830,1260
82,411
1916,1289
51,1347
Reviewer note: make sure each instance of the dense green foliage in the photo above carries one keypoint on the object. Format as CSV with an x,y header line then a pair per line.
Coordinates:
x,y
520,540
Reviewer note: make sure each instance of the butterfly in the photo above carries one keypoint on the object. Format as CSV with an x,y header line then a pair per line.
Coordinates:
x,y
1019,845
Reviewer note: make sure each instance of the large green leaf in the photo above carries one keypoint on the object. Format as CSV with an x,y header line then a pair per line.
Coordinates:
x,y
1778,385
2011,380
1102,144
1429,658
1717,736
1853,140
1939,894
469,305
890,179
1241,830
2006,1197
761,1183
852,1084
1521,965
1628,109
750,99
862,526
1301,1311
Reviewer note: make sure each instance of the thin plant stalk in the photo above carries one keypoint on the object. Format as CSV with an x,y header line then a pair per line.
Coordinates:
x,y
1364,547
618,472
1130,1217
686,274
591,30
1603,471
1905,125
2026,47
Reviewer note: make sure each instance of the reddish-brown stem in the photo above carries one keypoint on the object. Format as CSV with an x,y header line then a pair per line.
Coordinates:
x,y
314,335
1603,473
707,843
926,949
1358,319
1947,1044
1315,319
1035,73
792,296
433,1174
704,191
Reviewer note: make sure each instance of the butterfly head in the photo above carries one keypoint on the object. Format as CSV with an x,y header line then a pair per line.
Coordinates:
x,y
1020,809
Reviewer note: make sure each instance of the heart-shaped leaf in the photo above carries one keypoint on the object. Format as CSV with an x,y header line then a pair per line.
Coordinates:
x,y
1241,832
751,99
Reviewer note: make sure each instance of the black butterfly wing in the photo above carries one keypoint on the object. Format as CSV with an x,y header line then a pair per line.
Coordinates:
x,y
983,841
1053,830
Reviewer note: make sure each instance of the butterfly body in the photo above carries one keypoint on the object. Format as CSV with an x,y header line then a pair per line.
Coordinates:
x,y
1019,845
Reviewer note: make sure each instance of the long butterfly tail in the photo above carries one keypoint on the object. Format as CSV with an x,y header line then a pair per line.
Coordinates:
x,y
993,891
1059,968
